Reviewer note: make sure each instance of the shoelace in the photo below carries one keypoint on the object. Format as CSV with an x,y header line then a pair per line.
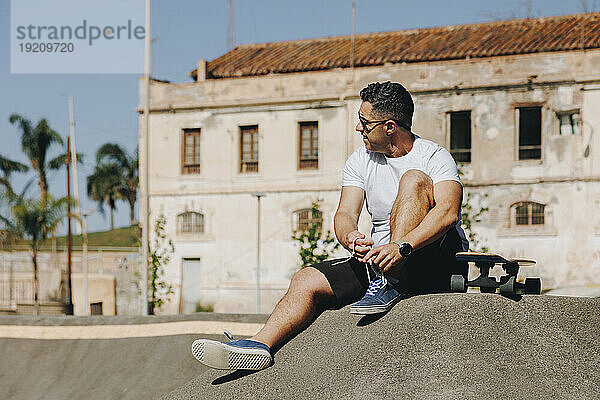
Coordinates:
x,y
377,272
229,336
374,287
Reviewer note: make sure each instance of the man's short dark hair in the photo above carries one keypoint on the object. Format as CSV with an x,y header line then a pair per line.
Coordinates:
x,y
390,100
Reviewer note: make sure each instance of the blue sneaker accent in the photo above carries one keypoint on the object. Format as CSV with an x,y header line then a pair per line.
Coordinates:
x,y
249,344
380,298
238,354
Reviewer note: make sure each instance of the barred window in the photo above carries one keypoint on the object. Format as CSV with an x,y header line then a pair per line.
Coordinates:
x,y
308,157
190,152
190,222
249,148
96,308
460,136
305,218
529,213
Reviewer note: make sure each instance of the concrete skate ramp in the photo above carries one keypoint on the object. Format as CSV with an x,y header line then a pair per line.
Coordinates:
x,y
123,368
455,346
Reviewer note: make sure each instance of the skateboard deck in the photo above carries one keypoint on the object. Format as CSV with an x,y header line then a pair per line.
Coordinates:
x,y
507,284
494,258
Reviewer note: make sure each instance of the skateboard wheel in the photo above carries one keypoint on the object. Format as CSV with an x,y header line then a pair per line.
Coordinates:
x,y
533,286
508,287
458,284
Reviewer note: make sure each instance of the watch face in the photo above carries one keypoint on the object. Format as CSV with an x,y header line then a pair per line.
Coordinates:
x,y
405,249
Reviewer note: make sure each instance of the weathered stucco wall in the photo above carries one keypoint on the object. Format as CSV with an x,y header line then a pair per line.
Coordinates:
x,y
566,179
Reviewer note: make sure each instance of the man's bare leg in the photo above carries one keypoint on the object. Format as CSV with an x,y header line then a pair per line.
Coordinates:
x,y
413,201
309,290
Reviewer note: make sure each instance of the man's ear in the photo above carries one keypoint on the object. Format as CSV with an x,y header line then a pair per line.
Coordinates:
x,y
390,128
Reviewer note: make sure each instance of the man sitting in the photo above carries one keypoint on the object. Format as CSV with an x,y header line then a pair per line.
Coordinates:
x,y
413,195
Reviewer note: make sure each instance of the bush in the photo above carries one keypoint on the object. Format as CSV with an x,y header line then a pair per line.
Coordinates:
x,y
204,308
315,245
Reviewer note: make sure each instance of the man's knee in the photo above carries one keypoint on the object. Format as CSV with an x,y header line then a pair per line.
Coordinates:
x,y
416,181
311,281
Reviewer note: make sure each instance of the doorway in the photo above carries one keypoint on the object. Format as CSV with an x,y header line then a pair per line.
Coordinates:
x,y
191,282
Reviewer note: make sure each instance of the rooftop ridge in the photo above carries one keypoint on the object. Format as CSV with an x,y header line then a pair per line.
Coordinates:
x,y
514,21
451,42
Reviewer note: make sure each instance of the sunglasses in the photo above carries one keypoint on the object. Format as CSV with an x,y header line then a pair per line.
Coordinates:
x,y
365,122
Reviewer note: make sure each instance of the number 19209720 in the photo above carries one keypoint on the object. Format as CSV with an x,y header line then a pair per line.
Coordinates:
x,y
47,47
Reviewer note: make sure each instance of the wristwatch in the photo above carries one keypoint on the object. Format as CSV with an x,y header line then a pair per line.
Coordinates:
x,y
404,248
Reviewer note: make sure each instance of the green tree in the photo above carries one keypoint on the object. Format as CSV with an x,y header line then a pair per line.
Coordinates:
x,y
36,143
471,215
103,186
112,153
33,219
315,245
160,254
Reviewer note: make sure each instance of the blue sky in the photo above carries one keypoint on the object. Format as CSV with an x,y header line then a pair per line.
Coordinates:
x,y
187,30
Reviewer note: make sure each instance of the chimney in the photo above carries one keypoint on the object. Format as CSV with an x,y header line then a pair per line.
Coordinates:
x,y
201,71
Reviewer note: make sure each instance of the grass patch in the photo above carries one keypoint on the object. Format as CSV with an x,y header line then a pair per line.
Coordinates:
x,y
121,237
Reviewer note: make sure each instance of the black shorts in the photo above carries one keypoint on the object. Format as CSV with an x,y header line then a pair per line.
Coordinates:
x,y
427,270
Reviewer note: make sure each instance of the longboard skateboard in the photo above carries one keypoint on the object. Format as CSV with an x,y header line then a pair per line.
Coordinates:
x,y
507,284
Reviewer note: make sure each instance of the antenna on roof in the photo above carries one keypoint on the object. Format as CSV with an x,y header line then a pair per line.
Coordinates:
x,y
352,36
230,25
352,40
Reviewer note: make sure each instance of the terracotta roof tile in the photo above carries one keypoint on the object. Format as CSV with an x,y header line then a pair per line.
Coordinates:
x,y
571,32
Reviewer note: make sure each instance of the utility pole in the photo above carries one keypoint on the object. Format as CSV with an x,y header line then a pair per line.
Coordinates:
x,y
258,196
74,158
69,234
143,167
230,25
84,262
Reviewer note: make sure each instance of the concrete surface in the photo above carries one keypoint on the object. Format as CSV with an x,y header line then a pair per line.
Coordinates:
x,y
432,347
454,346
576,291
127,331
129,319
130,368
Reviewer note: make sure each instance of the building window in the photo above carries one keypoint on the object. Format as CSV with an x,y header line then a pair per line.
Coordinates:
x,y
190,222
249,148
529,213
190,153
306,218
530,133
96,308
308,157
460,136
570,123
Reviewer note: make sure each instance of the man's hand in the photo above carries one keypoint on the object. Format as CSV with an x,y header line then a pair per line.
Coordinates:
x,y
362,245
385,256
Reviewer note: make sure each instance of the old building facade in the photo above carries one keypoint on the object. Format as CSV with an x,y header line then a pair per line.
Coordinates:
x,y
516,102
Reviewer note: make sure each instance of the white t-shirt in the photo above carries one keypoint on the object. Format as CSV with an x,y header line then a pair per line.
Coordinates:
x,y
379,175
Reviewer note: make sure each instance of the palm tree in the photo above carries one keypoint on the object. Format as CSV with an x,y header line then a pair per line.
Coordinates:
x,y
104,185
33,219
7,167
128,166
35,143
